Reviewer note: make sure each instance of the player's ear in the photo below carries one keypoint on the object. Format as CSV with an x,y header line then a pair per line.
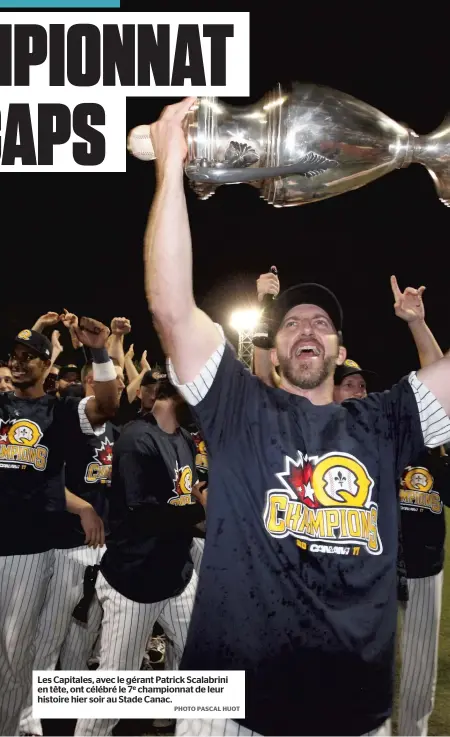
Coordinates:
x,y
342,355
274,357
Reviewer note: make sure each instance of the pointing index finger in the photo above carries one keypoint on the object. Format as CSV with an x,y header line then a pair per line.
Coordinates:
x,y
395,288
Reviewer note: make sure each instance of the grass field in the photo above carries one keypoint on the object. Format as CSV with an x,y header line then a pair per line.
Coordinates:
x,y
440,719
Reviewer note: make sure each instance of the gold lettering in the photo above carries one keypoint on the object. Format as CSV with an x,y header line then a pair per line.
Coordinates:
x,y
365,522
344,527
292,516
436,505
354,524
304,522
92,473
41,458
278,503
331,521
317,523
372,542
14,452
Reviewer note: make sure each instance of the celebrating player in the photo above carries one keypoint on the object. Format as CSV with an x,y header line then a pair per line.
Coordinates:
x,y
79,541
299,587
146,573
32,489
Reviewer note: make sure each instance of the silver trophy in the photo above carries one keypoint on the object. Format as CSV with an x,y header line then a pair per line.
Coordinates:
x,y
305,144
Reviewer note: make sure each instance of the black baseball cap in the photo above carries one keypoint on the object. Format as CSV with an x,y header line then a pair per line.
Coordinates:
x,y
149,379
71,368
349,368
36,342
308,293
166,390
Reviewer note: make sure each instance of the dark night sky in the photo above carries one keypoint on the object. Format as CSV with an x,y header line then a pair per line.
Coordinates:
x,y
76,241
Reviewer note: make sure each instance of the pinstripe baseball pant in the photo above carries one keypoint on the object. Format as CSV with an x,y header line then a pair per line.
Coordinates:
x,y
126,628
59,636
419,649
197,548
230,728
23,583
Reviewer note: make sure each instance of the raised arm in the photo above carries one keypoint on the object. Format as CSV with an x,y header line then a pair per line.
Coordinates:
x,y
120,326
57,349
435,376
104,405
135,383
262,365
409,307
45,321
187,334
130,369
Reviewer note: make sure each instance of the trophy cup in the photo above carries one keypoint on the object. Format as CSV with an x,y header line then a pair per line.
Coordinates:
x,y
301,145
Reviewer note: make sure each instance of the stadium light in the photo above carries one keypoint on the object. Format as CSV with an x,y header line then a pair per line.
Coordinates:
x,y
245,320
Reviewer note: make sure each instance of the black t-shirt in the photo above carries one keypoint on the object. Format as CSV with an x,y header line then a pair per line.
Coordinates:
x,y
151,512
298,580
88,475
128,411
31,470
422,513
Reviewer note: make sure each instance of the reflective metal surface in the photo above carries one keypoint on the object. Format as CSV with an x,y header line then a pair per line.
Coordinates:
x,y
306,144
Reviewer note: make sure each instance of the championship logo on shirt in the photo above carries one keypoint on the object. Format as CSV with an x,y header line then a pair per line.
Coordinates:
x,y
182,487
19,444
201,459
98,471
416,490
325,504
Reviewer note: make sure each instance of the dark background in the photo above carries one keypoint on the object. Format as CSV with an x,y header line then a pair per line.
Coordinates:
x,y
75,241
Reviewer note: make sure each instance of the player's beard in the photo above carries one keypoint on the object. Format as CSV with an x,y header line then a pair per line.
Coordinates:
x,y
307,375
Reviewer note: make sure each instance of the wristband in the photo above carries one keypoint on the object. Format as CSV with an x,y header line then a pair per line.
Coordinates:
x,y
104,371
100,355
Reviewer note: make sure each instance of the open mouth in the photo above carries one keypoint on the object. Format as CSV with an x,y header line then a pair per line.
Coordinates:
x,y
18,374
307,351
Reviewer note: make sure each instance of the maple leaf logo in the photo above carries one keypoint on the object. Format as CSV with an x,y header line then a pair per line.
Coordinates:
x,y
104,454
298,476
4,429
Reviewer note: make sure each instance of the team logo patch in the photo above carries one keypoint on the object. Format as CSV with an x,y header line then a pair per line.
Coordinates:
x,y
182,487
99,470
351,364
325,503
25,335
19,444
416,490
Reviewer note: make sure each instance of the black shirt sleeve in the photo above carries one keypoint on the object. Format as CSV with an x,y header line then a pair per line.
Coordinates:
x,y
400,422
233,390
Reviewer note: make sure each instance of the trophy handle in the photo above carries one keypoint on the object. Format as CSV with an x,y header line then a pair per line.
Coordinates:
x,y
310,165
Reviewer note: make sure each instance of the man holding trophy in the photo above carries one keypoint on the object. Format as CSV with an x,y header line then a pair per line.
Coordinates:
x,y
298,583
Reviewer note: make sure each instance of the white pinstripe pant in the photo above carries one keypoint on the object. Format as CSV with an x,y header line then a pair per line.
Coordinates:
x,y
197,548
59,635
419,648
230,728
23,583
126,628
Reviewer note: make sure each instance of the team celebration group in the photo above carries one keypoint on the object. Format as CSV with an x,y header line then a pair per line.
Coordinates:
x,y
273,521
